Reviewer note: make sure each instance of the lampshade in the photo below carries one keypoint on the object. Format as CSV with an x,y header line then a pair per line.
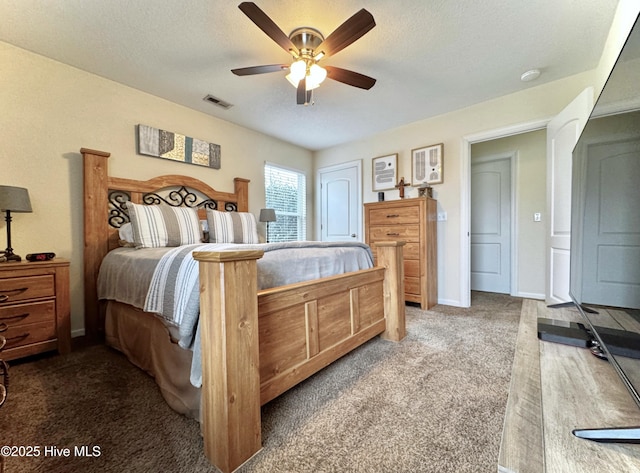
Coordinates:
x,y
14,199
298,70
267,215
317,74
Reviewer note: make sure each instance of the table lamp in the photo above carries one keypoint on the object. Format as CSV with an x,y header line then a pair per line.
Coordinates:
x,y
13,199
267,215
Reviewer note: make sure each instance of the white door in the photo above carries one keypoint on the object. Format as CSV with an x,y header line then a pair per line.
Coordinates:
x,y
341,202
562,135
491,225
611,239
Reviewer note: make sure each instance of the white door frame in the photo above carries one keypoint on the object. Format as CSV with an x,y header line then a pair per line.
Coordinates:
x,y
465,195
513,241
318,207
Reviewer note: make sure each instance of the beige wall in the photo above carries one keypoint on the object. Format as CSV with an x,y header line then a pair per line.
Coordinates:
x,y
530,151
534,104
50,110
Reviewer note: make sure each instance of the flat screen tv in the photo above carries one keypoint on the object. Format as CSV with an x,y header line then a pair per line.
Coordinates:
x,y
605,229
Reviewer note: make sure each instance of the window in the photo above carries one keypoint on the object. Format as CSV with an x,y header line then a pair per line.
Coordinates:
x,y
286,193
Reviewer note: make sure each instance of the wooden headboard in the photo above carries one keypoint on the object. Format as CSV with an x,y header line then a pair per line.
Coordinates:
x,y
104,213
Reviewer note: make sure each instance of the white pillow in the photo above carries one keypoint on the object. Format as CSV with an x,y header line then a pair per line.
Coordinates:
x,y
125,232
232,227
156,226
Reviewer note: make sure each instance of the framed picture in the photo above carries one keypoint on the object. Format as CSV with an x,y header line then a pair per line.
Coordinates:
x,y
169,145
385,172
427,165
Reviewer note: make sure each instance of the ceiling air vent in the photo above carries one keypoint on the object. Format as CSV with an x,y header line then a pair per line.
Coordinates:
x,y
218,102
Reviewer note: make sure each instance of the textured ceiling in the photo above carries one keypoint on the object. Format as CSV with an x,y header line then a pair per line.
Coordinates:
x,y
429,57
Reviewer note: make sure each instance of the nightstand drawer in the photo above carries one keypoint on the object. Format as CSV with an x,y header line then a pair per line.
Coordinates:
x,y
27,287
26,334
24,314
394,215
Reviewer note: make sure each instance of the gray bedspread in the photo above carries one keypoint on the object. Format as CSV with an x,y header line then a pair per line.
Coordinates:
x,y
165,280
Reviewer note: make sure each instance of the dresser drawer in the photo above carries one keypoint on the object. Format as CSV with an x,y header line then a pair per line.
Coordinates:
x,y
24,314
27,287
412,268
394,232
410,251
412,285
395,215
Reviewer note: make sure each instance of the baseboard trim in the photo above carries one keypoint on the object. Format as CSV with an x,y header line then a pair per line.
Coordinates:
x,y
530,295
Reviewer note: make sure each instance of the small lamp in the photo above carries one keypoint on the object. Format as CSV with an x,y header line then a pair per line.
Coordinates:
x,y
13,199
267,215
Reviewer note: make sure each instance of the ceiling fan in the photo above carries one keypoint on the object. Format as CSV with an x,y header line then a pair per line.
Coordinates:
x,y
308,46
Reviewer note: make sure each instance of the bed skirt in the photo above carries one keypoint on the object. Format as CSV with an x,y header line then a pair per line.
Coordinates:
x,y
147,342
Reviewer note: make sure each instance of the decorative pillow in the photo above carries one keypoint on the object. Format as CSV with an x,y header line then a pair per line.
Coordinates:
x,y
125,232
156,226
232,227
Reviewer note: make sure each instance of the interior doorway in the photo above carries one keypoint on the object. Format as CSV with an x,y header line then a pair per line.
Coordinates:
x,y
507,179
491,222
340,212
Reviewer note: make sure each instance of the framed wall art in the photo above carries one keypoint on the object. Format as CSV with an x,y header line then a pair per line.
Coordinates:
x,y
427,165
169,145
385,172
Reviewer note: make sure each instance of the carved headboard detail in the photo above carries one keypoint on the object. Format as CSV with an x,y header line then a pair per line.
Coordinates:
x,y
176,197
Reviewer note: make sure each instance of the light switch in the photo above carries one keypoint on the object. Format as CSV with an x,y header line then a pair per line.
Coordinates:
x,y
537,217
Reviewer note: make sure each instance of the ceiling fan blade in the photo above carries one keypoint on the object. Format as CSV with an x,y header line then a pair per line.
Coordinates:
x,y
248,71
267,25
301,92
354,79
348,32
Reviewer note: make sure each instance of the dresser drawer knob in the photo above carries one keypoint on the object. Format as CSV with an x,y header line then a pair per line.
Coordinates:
x,y
393,215
393,234
5,297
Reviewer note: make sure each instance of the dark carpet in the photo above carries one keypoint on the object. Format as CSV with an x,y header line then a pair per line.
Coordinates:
x,y
431,403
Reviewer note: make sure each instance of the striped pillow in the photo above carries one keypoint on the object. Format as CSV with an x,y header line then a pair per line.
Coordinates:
x,y
156,226
232,227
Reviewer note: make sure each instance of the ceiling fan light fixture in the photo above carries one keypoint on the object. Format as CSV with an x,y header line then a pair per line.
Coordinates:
x,y
310,85
317,74
298,70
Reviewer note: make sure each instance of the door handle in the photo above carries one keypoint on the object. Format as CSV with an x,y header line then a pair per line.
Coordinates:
x,y
353,235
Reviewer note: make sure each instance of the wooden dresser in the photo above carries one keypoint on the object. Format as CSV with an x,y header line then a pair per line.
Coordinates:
x,y
415,222
34,307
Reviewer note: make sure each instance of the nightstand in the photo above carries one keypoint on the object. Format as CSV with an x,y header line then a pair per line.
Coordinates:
x,y
34,306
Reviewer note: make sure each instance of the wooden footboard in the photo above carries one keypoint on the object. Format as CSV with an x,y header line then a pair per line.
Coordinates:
x,y
256,348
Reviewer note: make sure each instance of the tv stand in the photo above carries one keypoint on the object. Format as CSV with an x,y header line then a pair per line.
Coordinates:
x,y
610,435
555,389
563,305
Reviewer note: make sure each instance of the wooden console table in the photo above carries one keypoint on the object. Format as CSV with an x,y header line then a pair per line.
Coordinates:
x,y
557,388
